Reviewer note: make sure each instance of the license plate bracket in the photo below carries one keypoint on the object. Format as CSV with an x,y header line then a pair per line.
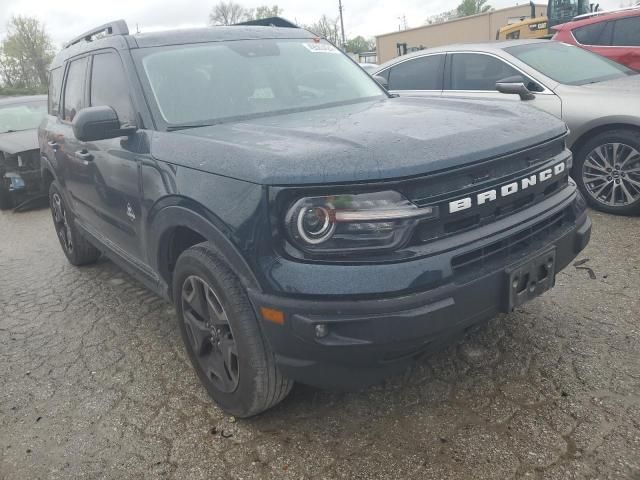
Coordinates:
x,y
530,279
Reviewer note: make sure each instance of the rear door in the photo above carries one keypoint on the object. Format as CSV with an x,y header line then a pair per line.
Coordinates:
x,y
71,169
626,42
418,76
475,74
618,40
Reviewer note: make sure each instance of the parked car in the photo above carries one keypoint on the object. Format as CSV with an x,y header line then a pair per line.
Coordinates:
x,y
597,97
306,225
19,154
615,35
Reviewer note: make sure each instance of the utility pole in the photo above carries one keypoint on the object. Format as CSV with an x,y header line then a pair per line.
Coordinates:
x,y
344,42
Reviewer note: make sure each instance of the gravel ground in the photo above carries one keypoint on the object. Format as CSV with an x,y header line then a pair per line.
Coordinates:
x,y
95,384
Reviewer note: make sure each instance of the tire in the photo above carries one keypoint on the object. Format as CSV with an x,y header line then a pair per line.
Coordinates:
x,y
217,320
605,187
75,247
6,202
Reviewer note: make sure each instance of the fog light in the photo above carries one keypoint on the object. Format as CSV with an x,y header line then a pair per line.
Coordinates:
x,y
322,330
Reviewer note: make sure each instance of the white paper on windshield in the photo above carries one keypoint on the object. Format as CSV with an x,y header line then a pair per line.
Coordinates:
x,y
321,48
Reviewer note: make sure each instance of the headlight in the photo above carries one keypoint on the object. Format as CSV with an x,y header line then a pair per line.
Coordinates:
x,y
347,223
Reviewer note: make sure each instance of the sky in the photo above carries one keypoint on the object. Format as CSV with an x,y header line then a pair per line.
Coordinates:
x,y
65,19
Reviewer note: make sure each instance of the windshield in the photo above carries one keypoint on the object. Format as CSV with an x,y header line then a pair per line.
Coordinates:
x,y
568,64
562,11
206,83
21,116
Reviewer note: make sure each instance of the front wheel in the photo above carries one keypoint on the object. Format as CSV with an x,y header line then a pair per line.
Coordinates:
x,y
222,335
607,170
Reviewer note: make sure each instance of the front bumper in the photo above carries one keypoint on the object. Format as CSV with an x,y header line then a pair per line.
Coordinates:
x,y
374,335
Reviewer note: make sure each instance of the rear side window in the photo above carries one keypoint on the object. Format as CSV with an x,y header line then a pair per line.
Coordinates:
x,y
55,86
627,32
74,89
109,86
423,73
472,71
594,34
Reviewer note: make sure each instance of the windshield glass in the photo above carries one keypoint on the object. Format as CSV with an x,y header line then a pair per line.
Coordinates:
x,y
562,11
568,64
206,83
21,116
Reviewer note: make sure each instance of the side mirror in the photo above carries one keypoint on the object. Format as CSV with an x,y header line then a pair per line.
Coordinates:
x,y
382,81
515,85
98,123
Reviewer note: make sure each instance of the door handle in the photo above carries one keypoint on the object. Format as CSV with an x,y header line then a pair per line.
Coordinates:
x,y
84,155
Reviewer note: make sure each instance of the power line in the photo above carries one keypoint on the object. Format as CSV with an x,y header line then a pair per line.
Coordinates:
x,y
344,43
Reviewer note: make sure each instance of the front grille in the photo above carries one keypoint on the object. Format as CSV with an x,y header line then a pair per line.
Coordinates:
x,y
509,249
470,181
481,216
434,188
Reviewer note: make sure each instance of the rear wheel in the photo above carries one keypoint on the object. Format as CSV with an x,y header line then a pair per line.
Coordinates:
x,y
607,169
222,335
75,247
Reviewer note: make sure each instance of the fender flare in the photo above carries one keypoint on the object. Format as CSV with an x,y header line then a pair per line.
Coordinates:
x,y
602,123
164,219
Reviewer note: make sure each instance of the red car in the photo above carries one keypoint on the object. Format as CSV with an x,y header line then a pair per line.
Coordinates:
x,y
615,35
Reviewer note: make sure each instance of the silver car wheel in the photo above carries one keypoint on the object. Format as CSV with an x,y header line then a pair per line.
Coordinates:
x,y
611,174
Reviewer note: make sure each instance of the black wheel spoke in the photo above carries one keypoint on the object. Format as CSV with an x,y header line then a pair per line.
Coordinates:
x,y
209,334
199,333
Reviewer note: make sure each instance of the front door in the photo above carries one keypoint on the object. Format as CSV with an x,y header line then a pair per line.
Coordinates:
x,y
474,75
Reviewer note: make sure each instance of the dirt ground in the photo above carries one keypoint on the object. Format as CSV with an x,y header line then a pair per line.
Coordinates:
x,y
94,383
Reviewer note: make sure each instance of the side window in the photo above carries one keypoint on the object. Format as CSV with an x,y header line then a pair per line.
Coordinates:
x,y
472,71
627,32
74,88
109,86
422,73
55,84
594,34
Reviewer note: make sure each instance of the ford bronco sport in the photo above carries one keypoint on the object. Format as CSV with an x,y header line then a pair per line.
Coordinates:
x,y
307,225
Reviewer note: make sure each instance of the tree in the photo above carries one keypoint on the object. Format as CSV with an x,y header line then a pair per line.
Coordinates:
x,y
227,13
25,54
264,12
472,7
326,28
359,44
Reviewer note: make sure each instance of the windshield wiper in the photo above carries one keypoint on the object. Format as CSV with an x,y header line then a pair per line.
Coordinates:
x,y
14,131
173,128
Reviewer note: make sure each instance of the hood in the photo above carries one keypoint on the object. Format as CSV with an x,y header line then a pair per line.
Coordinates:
x,y
16,142
627,86
374,140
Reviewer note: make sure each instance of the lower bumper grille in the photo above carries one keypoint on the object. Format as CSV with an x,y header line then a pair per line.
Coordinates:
x,y
503,251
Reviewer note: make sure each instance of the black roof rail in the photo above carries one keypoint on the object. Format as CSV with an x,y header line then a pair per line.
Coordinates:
x,y
117,27
269,22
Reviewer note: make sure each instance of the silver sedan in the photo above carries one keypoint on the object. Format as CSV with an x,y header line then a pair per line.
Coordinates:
x,y
599,100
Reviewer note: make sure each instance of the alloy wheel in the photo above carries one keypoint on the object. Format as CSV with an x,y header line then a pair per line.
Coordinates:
x,y
60,222
209,334
611,174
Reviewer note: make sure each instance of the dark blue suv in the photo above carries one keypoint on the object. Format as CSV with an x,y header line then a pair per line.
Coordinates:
x,y
307,225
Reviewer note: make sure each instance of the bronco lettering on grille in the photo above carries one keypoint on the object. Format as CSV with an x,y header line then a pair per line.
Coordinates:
x,y
506,190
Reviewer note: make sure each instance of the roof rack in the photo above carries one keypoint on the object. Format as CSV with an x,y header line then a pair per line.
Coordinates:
x,y
269,22
117,27
605,12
